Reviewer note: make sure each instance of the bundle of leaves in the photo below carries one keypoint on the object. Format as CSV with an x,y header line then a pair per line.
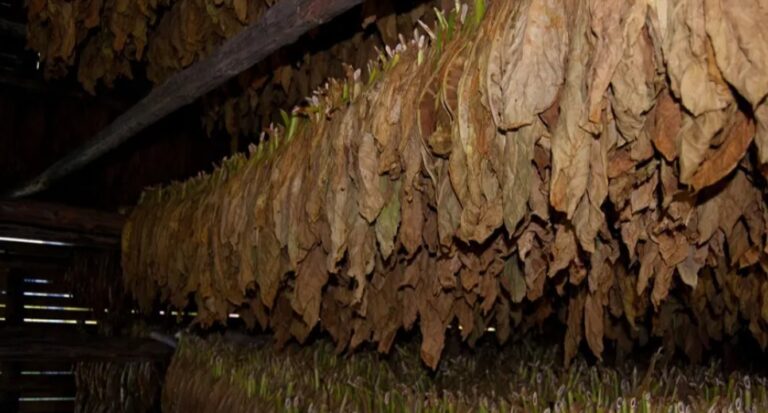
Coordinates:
x,y
94,277
217,375
247,104
108,35
588,161
128,387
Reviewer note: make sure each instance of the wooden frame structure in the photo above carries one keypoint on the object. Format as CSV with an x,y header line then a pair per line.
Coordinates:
x,y
36,299
281,25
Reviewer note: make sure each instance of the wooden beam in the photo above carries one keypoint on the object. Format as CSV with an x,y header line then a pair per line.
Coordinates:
x,y
60,223
57,216
31,265
281,25
64,238
33,344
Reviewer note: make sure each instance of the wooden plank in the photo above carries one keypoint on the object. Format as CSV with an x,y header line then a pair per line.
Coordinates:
x,y
49,332
40,253
55,288
47,407
48,301
49,391
38,366
67,238
43,314
52,385
61,217
75,347
281,25
50,264
47,369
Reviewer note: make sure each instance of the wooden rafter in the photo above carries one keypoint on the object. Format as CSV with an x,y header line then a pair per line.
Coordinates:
x,y
60,223
281,25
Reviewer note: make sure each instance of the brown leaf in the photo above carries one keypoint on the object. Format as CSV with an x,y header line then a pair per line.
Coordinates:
x,y
633,91
695,136
571,145
573,332
589,217
412,222
689,269
389,220
516,279
666,126
311,276
648,259
661,282
740,41
527,63
672,247
645,196
614,23
721,163
690,60
371,200
432,332
761,134
619,162
516,173
241,10
564,249
593,324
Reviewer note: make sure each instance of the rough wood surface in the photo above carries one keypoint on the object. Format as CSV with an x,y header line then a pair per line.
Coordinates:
x,y
29,343
59,216
60,223
281,25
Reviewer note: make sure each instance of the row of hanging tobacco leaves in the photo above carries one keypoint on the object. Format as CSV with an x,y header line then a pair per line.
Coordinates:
x,y
215,375
107,40
108,35
585,160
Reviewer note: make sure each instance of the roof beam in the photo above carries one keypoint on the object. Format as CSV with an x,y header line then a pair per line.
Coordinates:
x,y
60,223
281,25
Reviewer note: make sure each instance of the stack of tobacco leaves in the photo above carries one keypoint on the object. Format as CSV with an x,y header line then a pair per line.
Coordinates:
x,y
248,103
104,37
94,277
589,161
214,375
110,34
128,387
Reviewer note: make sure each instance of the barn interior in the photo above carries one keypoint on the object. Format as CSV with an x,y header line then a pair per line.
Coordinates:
x,y
375,206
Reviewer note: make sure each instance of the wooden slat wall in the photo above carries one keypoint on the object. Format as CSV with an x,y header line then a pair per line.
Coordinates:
x,y
46,303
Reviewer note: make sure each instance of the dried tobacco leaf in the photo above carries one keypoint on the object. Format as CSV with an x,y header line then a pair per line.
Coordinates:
x,y
571,144
527,60
444,215
740,42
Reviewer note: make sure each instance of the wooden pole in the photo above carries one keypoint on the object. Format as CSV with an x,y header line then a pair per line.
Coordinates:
x,y
281,25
